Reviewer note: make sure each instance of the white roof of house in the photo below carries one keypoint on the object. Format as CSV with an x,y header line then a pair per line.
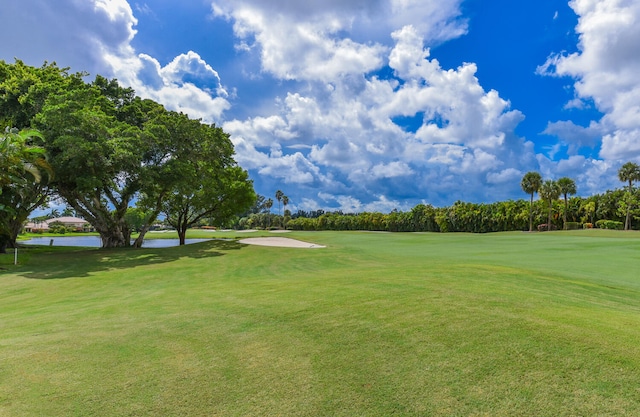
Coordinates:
x,y
38,225
66,220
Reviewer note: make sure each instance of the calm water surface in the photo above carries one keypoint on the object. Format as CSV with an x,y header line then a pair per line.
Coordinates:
x,y
95,242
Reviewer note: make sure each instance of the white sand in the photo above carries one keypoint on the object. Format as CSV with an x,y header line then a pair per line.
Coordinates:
x,y
282,242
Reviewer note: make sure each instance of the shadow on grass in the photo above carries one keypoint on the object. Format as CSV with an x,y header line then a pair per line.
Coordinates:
x,y
69,262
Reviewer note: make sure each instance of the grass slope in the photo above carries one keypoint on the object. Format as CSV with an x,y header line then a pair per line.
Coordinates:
x,y
376,324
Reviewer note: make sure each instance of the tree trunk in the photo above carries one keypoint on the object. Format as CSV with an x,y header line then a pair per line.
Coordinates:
x,y
15,227
152,218
9,238
109,223
182,235
564,217
182,230
4,242
627,222
116,236
140,239
113,240
13,242
549,219
531,214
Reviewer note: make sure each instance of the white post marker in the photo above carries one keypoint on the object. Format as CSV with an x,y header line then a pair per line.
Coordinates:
x,y
15,257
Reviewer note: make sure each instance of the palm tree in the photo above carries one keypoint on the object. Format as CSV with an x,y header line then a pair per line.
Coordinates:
x,y
567,187
531,184
22,167
268,204
588,207
285,201
18,157
279,195
68,211
549,192
629,172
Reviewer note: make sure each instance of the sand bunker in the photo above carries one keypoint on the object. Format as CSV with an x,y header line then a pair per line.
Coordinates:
x,y
283,242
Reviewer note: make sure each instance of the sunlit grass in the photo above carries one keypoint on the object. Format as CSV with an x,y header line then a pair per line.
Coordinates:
x,y
376,324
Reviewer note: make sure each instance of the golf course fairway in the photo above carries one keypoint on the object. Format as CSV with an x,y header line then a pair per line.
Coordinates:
x,y
365,324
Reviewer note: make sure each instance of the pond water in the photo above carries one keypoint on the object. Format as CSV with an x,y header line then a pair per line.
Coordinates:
x,y
94,241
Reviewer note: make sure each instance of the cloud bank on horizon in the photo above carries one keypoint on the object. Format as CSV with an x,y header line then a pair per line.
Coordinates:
x,y
346,104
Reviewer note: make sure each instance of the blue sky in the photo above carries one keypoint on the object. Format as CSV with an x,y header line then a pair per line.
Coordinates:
x,y
372,104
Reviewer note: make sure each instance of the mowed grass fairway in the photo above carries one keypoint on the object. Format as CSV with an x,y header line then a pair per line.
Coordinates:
x,y
376,324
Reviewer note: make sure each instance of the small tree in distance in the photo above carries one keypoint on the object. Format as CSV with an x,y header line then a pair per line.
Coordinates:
x,y
567,187
279,195
629,172
268,204
285,201
549,192
531,184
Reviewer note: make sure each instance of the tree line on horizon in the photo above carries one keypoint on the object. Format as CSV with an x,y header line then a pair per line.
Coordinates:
x,y
555,209
101,149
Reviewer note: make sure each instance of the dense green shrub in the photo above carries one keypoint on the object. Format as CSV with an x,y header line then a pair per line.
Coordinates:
x,y
609,224
57,227
573,226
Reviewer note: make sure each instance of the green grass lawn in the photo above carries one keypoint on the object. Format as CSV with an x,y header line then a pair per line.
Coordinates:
x,y
376,324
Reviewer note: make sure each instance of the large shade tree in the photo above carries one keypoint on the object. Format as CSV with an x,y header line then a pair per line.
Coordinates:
x,y
530,184
107,146
89,147
197,178
169,137
629,173
567,187
99,158
218,197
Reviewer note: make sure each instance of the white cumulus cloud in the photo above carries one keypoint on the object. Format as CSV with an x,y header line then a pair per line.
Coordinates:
x,y
96,36
344,136
606,69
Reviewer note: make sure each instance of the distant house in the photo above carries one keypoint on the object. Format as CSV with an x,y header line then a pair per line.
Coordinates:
x,y
69,222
